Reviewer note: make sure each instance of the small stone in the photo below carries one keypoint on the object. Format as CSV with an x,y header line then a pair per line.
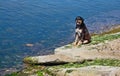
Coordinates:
x,y
29,45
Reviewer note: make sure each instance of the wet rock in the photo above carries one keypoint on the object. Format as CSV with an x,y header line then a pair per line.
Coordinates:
x,y
6,71
29,45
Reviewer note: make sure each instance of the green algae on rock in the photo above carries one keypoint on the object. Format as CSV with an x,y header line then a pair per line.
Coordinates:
x,y
49,70
30,60
101,38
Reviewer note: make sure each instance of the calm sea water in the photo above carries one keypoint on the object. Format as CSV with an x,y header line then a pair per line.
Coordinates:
x,y
48,24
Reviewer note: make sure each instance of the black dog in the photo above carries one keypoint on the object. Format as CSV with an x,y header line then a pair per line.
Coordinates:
x,y
82,35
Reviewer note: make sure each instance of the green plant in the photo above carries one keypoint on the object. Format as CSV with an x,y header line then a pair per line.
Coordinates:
x,y
101,38
104,62
40,73
69,71
30,60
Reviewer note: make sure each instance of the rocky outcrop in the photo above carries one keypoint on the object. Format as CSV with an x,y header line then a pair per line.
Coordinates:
x,y
52,59
108,49
62,55
89,71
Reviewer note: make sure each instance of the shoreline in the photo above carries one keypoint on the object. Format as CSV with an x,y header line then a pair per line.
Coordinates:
x,y
110,32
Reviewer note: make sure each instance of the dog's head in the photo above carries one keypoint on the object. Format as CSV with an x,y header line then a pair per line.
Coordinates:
x,y
79,20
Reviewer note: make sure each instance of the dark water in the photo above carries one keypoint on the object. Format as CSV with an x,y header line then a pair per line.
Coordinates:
x,y
48,24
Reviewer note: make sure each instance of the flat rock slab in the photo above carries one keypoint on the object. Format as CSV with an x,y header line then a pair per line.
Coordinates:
x,y
89,71
105,50
51,59
74,54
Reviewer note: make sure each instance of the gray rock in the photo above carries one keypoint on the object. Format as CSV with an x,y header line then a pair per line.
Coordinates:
x,y
90,52
51,59
74,54
89,71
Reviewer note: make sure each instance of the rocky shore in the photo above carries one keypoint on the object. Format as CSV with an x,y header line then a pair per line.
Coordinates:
x,y
99,58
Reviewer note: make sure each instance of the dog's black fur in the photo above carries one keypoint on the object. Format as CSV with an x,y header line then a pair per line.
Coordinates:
x,y
84,35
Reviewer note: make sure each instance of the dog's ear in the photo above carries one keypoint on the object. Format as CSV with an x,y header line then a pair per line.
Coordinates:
x,y
79,18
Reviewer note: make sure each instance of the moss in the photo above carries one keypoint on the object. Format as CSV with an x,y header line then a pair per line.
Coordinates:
x,y
114,30
108,35
30,60
39,73
101,38
47,71
69,71
104,62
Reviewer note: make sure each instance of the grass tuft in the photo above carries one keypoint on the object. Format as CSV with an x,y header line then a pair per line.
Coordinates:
x,y
102,38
